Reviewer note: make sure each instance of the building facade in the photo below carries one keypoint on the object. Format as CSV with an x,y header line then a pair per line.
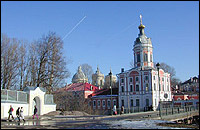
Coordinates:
x,y
102,101
139,87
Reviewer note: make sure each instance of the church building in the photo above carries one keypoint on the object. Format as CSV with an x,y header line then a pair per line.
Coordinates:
x,y
139,87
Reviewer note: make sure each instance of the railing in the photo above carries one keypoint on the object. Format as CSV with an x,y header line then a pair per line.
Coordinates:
x,y
178,110
48,99
13,95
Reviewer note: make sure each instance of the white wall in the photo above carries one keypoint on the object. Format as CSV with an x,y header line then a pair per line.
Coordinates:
x,y
6,106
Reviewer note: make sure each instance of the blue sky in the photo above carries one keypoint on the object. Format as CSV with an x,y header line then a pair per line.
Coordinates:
x,y
106,35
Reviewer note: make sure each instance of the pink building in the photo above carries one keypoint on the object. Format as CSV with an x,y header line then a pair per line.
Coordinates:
x,y
139,86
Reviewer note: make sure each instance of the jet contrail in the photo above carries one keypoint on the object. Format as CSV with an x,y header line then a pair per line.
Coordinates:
x,y
74,27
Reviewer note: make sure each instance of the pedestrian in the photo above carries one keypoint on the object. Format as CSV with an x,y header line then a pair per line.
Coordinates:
x,y
35,112
17,113
10,112
22,114
114,110
122,109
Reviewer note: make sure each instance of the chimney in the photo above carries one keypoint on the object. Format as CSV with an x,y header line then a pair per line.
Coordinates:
x,y
122,70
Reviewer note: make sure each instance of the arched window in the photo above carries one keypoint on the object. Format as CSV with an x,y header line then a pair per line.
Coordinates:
x,y
138,57
147,87
179,99
145,57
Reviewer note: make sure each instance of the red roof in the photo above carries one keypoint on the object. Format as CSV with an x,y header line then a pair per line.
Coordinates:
x,y
79,87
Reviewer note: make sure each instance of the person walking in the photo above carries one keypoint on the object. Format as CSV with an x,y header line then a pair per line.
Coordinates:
x,y
17,113
10,113
114,110
22,114
122,109
35,112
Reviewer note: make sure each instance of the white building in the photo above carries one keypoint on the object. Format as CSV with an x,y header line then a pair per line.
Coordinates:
x,y
139,87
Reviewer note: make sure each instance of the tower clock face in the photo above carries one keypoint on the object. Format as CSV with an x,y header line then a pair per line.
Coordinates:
x,y
165,95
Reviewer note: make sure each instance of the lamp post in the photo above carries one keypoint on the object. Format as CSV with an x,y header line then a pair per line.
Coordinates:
x,y
158,65
110,74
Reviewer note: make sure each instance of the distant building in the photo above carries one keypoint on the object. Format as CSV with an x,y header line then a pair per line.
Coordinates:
x,y
185,96
102,100
79,77
139,86
76,95
191,85
98,78
188,90
113,81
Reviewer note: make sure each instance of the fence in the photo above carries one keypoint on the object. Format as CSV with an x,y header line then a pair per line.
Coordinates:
x,y
13,95
134,109
48,99
178,110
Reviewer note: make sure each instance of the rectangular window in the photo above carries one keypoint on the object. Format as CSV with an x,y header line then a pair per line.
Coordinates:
x,y
137,102
131,88
122,102
154,77
131,80
154,87
122,80
155,102
138,57
163,79
146,77
137,87
147,102
151,59
131,102
163,87
122,88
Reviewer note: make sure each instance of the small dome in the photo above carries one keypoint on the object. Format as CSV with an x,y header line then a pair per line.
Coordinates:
x,y
79,77
141,26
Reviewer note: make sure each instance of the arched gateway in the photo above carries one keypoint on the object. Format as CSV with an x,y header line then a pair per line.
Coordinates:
x,y
36,102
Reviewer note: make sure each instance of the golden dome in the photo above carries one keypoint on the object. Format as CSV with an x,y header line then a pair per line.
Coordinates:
x,y
141,26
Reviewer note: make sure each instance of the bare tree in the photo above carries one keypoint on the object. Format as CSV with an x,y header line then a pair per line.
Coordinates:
x,y
169,69
9,59
51,65
23,63
88,71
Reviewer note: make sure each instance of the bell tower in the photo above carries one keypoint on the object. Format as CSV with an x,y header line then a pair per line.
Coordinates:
x,y
142,49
